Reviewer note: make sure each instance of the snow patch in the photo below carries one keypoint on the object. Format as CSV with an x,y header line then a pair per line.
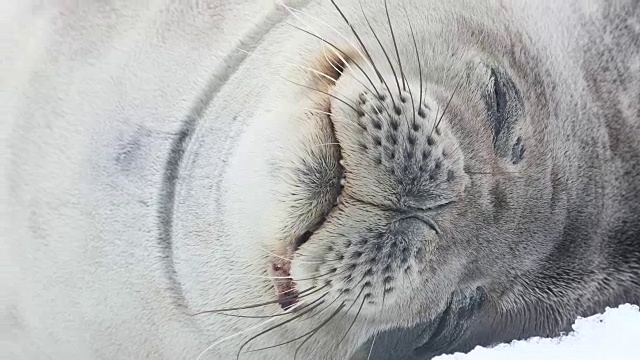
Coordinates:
x,y
614,335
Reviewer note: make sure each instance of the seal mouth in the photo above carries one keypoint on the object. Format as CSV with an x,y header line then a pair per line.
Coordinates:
x,y
280,269
332,66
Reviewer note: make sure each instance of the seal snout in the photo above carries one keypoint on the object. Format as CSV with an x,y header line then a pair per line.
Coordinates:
x,y
397,149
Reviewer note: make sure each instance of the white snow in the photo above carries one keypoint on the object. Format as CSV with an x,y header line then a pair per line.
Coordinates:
x,y
614,335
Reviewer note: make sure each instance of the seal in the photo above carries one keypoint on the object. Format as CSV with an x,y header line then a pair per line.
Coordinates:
x,y
394,180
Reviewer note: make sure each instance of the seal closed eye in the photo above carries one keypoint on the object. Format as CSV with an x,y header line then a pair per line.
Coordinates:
x,y
505,107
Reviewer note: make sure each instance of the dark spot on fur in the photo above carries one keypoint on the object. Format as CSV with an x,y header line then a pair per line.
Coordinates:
x,y
367,273
411,139
450,175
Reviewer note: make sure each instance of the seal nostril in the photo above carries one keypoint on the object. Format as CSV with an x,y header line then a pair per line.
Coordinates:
x,y
303,239
450,175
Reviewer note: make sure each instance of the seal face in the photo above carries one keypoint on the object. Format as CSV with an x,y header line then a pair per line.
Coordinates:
x,y
395,179
466,188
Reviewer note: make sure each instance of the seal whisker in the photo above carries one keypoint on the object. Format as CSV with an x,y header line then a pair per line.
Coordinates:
x,y
331,114
413,105
355,318
292,340
333,63
238,334
395,44
287,259
320,302
316,329
285,313
355,33
322,275
301,336
324,92
322,22
435,126
371,348
365,111
300,295
395,76
346,65
339,50
366,58
415,45
317,72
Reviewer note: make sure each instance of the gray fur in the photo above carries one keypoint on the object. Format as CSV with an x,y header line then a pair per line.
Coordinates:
x,y
153,171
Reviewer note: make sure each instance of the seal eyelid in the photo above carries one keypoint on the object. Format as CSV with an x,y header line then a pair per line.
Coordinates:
x,y
505,106
498,104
